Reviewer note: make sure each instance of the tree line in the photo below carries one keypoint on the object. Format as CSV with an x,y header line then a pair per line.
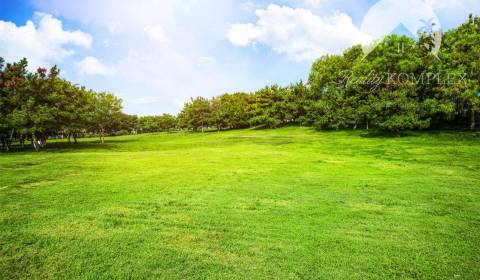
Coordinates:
x,y
40,105
400,85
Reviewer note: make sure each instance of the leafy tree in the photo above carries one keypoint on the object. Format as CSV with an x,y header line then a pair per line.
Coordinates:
x,y
461,56
14,85
196,114
269,107
106,112
230,111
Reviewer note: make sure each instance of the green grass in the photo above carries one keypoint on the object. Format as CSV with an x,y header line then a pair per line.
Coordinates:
x,y
290,203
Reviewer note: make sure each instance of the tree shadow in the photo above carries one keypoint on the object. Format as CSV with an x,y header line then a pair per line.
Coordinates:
x,y
65,147
445,135
364,133
386,134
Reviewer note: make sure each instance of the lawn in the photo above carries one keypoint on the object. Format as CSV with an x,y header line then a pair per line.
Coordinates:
x,y
290,203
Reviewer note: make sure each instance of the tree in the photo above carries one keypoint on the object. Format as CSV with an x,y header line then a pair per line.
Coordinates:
x,y
42,107
106,112
462,56
269,107
196,114
14,85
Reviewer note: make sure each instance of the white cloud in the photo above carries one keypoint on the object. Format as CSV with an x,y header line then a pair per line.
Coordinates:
x,y
167,51
298,33
92,66
156,33
42,44
161,51
242,35
314,3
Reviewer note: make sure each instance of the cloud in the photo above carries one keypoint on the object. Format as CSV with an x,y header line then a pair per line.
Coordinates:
x,y
242,35
168,51
314,3
43,44
92,66
298,33
156,33
161,51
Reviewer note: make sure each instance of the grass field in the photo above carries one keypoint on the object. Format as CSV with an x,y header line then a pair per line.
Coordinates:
x,y
290,203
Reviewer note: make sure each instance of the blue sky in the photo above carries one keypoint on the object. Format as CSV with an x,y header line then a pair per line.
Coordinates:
x,y
155,54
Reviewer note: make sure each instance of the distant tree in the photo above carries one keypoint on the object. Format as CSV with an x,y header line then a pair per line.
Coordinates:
x,y
269,107
106,112
167,122
128,124
196,114
331,102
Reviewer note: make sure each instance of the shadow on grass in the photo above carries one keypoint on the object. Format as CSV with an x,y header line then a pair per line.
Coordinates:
x,y
385,134
372,133
62,147
433,135
264,127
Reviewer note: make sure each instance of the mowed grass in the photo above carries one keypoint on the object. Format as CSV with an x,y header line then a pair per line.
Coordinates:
x,y
290,203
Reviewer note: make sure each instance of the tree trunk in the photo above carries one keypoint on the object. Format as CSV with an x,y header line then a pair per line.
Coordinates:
x,y
10,140
43,141
69,136
5,144
75,138
35,143
472,120
367,122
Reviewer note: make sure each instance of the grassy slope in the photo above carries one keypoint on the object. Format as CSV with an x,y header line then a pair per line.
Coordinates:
x,y
287,203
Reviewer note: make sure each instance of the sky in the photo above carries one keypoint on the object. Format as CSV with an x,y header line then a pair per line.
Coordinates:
x,y
156,54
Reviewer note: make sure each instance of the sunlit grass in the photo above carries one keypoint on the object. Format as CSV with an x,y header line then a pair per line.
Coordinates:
x,y
286,203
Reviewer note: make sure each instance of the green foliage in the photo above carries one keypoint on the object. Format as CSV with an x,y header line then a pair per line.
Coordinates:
x,y
164,122
196,114
37,106
399,86
106,112
231,111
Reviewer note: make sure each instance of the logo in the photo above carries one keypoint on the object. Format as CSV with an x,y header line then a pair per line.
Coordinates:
x,y
416,16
